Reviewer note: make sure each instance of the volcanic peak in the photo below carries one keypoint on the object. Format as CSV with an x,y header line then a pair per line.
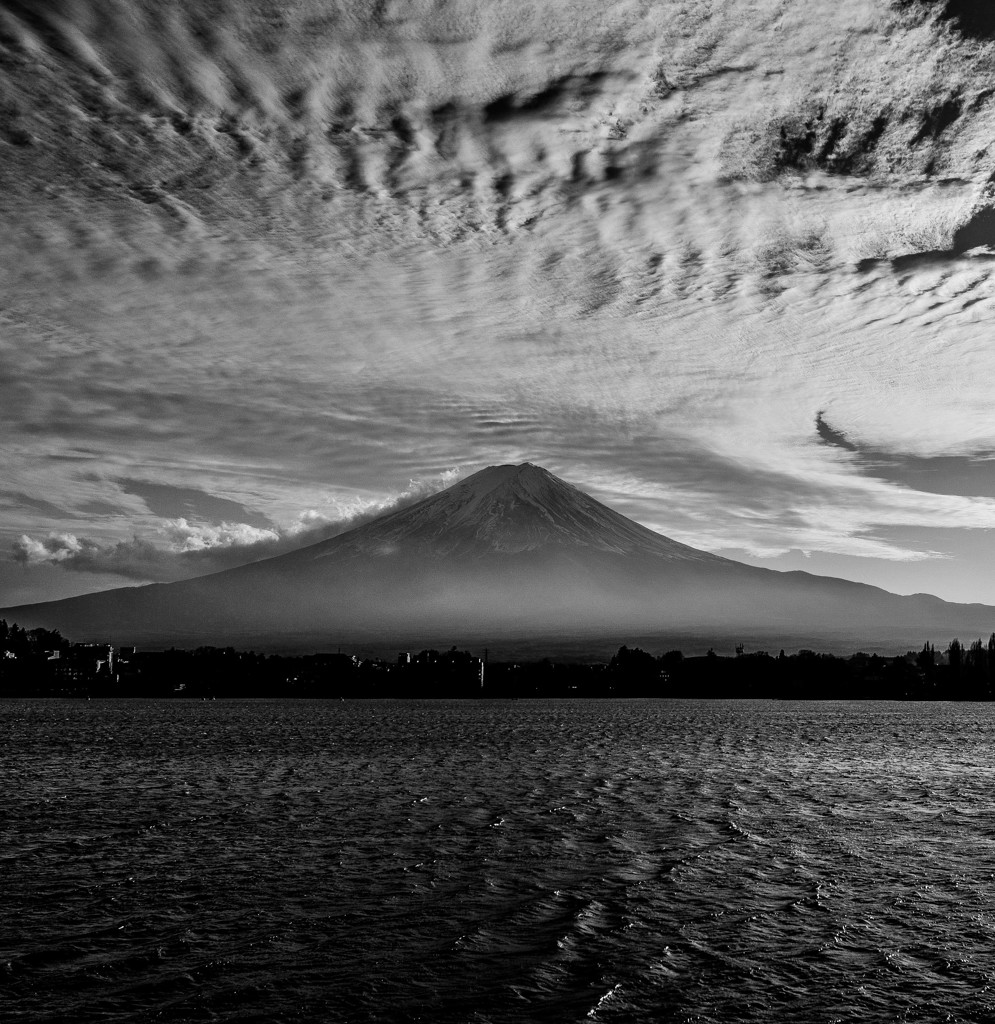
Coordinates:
x,y
510,509
526,482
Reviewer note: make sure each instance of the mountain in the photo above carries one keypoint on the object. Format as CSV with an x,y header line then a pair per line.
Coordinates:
x,y
511,556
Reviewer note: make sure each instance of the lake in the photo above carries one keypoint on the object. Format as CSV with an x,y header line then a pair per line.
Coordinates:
x,y
488,861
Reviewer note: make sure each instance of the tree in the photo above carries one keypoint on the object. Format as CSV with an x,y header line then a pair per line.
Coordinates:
x,y
977,657
926,658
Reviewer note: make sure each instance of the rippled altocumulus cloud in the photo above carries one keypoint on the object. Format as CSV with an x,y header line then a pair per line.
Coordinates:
x,y
296,259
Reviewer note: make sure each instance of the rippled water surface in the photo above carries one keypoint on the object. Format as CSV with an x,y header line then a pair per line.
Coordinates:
x,y
496,861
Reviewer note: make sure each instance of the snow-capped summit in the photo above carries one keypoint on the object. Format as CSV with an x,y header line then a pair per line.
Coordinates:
x,y
509,509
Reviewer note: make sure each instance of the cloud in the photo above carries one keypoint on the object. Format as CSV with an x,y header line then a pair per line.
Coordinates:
x,y
971,474
168,500
178,551
642,244
58,547
181,549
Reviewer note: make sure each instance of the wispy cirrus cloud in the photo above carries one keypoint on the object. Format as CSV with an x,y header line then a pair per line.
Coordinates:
x,y
968,474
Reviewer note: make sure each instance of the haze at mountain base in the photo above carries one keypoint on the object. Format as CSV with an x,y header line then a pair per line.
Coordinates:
x,y
510,555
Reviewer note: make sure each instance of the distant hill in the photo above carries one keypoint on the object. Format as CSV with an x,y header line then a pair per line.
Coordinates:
x,y
511,556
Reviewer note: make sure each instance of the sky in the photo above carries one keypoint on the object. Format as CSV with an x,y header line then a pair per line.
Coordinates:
x,y
268,269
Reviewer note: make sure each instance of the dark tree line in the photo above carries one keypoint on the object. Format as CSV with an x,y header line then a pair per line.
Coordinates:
x,y
27,643
43,663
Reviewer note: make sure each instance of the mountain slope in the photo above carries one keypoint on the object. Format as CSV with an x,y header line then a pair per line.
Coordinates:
x,y
508,510
511,551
